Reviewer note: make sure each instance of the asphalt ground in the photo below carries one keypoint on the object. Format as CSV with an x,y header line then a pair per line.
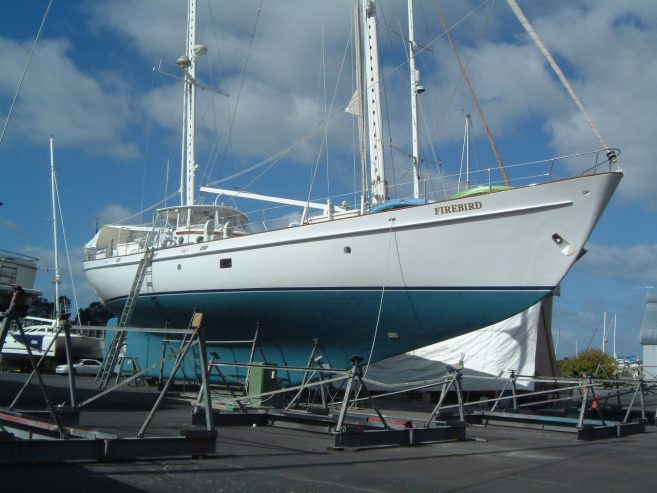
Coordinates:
x,y
270,459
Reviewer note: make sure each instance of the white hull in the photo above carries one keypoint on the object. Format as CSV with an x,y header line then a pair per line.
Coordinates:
x,y
40,337
522,240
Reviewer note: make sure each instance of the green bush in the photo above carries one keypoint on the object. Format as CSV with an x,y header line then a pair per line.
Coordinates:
x,y
594,361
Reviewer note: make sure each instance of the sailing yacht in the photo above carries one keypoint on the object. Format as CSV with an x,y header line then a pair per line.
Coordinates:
x,y
374,279
43,336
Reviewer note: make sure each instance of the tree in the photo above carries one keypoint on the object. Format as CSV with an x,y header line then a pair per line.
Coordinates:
x,y
41,307
594,361
95,314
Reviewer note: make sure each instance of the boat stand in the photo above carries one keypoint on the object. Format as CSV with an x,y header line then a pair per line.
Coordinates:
x,y
585,428
26,439
454,379
309,375
359,438
350,430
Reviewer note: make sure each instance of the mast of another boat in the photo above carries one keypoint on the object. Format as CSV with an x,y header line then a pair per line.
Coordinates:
x,y
604,333
614,340
58,280
416,89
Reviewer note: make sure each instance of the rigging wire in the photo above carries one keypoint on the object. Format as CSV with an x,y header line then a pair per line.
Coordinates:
x,y
240,84
339,112
148,135
383,292
323,72
473,95
68,256
328,111
557,70
27,64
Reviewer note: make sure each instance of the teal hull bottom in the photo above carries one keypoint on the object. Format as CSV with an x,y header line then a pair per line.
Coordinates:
x,y
344,322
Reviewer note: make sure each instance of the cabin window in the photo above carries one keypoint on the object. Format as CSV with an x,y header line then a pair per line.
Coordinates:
x,y
225,263
347,250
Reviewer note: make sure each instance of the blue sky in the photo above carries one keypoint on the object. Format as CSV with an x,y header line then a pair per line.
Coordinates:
x,y
116,122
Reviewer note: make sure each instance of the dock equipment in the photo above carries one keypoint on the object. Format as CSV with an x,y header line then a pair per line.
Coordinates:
x,y
350,431
116,345
29,439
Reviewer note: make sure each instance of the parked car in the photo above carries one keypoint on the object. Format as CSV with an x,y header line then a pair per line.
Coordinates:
x,y
82,367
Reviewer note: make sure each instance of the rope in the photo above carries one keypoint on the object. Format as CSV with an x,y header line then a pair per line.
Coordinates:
x,y
539,44
383,291
27,64
475,100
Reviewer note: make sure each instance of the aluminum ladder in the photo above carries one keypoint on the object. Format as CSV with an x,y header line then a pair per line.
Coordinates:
x,y
112,356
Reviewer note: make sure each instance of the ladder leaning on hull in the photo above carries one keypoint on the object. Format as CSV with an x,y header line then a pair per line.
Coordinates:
x,y
112,356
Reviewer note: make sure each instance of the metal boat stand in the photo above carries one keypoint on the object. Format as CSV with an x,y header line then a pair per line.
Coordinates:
x,y
212,366
455,380
584,427
350,430
7,321
359,437
309,375
25,439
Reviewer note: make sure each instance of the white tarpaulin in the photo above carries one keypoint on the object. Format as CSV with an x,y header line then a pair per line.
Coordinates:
x,y
522,343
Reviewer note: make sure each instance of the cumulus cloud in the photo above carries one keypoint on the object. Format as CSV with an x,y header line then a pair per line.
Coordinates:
x,y
58,97
73,283
637,263
113,213
610,47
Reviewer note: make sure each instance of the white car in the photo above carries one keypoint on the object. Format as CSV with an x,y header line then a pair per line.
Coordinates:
x,y
82,367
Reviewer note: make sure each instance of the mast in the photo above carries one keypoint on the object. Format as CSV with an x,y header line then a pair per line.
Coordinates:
x,y
416,89
358,97
614,346
375,125
57,281
187,63
468,127
604,331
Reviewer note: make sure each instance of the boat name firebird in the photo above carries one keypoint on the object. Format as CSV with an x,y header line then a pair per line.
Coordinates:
x,y
449,209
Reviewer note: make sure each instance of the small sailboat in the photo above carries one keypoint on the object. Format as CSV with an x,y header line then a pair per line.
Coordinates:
x,y
44,339
376,277
44,336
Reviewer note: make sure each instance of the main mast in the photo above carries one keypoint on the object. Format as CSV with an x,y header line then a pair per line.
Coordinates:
x,y
375,124
187,63
416,89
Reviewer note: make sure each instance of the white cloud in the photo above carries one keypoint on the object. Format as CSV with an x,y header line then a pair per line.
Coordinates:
x,y
637,263
73,283
59,98
113,213
610,45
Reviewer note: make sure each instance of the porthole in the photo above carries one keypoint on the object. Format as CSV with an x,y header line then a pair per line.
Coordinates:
x,y
179,267
347,250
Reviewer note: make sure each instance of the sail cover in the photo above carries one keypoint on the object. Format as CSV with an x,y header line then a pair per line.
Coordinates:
x,y
522,343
